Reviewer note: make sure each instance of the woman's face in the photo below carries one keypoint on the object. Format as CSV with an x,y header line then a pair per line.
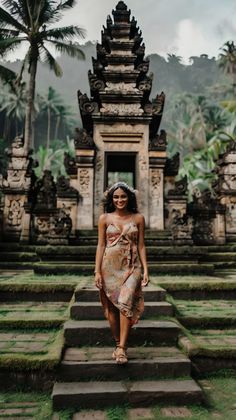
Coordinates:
x,y
120,199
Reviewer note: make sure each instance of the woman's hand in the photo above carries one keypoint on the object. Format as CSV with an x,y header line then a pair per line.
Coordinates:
x,y
98,280
145,280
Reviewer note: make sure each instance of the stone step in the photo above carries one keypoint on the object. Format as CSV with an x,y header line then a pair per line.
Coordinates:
x,y
220,257
144,362
171,267
139,393
19,256
94,310
87,252
16,265
224,264
89,333
151,294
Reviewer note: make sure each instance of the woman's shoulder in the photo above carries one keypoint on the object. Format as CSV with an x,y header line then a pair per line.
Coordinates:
x,y
103,218
139,218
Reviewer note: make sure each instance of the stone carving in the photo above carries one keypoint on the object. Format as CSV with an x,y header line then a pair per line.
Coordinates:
x,y
15,210
84,180
60,227
64,189
121,109
143,67
181,226
159,142
121,86
83,140
180,187
20,167
86,105
95,84
146,84
70,164
172,165
158,104
155,183
45,190
98,65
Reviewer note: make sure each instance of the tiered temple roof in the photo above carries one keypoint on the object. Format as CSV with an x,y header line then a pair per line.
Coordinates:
x,y
120,85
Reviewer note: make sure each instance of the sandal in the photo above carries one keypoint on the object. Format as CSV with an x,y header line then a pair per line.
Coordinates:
x,y
114,352
121,356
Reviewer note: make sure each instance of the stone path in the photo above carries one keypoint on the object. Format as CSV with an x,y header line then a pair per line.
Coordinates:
x,y
152,355
19,410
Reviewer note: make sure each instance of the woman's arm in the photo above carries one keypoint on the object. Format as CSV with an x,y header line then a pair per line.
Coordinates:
x,y
142,248
100,250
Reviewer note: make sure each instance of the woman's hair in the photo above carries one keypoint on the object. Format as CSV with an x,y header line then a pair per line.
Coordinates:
x,y
108,200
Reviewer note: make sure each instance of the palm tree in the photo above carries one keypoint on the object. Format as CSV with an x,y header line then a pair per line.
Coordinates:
x,y
50,104
12,104
65,119
29,21
228,61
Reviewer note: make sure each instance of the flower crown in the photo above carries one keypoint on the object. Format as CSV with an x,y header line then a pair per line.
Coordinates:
x,y
121,184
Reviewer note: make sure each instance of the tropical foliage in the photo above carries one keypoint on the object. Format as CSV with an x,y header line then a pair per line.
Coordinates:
x,y
53,158
31,22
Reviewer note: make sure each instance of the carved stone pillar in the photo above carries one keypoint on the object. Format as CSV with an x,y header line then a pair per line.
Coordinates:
x,y
25,233
225,188
16,187
156,189
85,184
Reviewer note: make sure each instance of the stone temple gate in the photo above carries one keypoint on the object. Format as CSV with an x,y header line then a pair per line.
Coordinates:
x,y
120,140
123,123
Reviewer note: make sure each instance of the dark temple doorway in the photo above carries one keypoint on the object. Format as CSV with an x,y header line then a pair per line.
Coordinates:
x,y
120,167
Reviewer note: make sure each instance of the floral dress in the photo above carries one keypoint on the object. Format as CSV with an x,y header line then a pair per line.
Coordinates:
x,y
122,271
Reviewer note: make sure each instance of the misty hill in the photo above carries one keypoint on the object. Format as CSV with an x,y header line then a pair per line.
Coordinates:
x,y
170,76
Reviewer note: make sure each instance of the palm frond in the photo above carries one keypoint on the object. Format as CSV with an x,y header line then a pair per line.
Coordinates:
x,y
9,32
7,75
9,44
65,33
46,57
7,19
70,49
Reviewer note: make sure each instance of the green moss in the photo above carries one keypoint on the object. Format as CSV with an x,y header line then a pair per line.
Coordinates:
x,y
26,362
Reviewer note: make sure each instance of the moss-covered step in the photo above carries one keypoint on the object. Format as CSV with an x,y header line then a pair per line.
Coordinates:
x,y
93,310
91,294
146,332
88,363
33,314
80,268
87,253
210,350
28,286
16,247
198,286
220,257
137,393
206,313
17,265
19,256
29,358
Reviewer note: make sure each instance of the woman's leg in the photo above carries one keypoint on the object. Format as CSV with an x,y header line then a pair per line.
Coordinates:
x,y
125,325
114,321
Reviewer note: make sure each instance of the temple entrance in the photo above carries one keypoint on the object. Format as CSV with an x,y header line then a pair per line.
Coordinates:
x,y
120,167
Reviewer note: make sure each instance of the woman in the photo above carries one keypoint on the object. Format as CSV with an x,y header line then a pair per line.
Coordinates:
x,y
120,258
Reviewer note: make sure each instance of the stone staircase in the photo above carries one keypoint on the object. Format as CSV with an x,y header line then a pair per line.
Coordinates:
x,y
157,371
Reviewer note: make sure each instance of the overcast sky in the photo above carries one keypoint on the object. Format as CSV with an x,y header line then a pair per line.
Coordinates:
x,y
182,27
